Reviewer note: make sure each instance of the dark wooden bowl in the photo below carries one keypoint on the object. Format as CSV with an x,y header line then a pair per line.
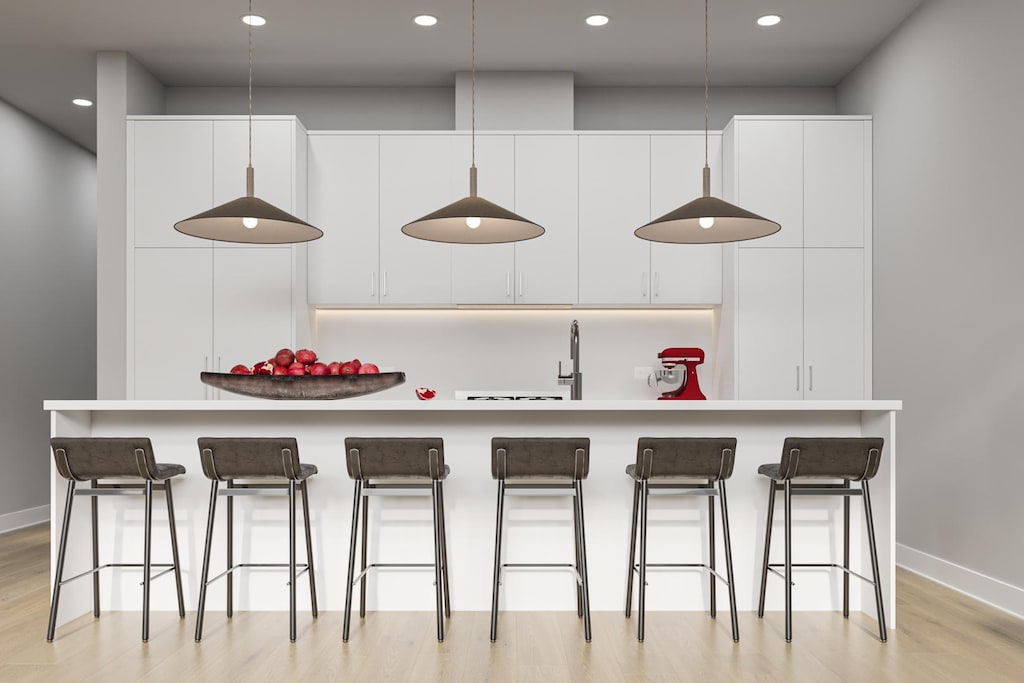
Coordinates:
x,y
308,387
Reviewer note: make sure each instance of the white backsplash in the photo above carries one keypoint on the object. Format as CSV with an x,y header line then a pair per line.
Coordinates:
x,y
449,350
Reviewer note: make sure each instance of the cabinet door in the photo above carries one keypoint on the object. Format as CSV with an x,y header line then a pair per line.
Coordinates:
x,y
344,202
273,161
614,200
834,309
684,273
547,172
414,181
170,177
834,183
770,178
770,324
482,273
252,306
172,323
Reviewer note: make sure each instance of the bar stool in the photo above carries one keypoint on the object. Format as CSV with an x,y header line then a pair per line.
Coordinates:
x,y
388,467
538,466
268,460
849,459
670,466
92,459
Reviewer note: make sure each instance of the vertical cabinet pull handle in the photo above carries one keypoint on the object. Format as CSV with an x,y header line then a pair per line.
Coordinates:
x,y
373,283
810,378
643,284
657,283
798,378
384,283
520,283
508,283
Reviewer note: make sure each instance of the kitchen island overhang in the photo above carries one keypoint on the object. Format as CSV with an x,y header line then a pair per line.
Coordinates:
x,y
538,529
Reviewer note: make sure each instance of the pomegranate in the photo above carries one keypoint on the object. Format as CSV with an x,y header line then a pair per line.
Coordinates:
x,y
284,357
368,369
348,369
263,368
334,368
355,362
279,370
296,371
305,356
425,394
319,369
241,370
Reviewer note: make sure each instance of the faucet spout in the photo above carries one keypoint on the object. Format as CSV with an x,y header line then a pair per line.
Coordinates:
x,y
575,379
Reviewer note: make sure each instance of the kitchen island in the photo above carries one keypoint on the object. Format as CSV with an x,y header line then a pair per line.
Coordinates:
x,y
539,529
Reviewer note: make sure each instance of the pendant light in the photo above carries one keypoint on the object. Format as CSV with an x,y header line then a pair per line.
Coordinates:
x,y
707,219
248,219
473,219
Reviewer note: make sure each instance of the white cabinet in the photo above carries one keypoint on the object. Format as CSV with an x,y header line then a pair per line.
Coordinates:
x,y
769,167
684,273
614,200
801,324
415,179
170,178
344,202
535,176
205,309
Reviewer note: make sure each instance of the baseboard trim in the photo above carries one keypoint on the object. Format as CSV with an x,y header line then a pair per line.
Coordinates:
x,y
991,591
24,518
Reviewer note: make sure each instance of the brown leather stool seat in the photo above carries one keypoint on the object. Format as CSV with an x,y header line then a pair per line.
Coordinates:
x,y
273,463
532,465
389,466
848,459
93,459
681,466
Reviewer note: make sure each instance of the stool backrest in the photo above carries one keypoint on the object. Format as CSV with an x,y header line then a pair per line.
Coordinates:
x,y
86,458
407,458
854,458
702,458
540,458
227,458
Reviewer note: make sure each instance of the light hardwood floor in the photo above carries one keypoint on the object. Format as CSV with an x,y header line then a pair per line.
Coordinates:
x,y
943,636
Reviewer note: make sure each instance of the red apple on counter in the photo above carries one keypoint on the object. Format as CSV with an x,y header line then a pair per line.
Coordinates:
x,y
241,370
334,368
348,369
319,369
368,369
305,356
284,358
425,394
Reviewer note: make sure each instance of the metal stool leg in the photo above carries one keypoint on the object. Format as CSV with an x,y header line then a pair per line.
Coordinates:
x,y
444,551
642,602
583,552
497,561
846,551
728,561
291,560
362,555
59,576
577,565
230,551
201,610
174,547
309,550
789,560
632,549
711,556
356,500
95,554
438,582
147,565
767,547
875,574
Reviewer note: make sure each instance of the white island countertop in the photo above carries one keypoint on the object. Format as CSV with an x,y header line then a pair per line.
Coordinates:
x,y
447,405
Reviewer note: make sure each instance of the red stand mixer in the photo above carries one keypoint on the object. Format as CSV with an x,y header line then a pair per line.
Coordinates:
x,y
680,383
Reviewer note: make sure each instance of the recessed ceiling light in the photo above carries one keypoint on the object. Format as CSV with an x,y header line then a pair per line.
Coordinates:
x,y
253,20
769,20
425,19
82,102
597,20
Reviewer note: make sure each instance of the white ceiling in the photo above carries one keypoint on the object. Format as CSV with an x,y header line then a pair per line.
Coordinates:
x,y
47,47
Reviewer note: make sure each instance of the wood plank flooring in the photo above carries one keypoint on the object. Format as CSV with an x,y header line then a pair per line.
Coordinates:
x,y
943,637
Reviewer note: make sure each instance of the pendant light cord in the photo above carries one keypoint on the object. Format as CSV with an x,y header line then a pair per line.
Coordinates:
x,y
706,22
472,67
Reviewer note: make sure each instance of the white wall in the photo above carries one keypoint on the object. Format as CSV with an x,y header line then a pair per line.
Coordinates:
x,y
945,92
513,349
48,307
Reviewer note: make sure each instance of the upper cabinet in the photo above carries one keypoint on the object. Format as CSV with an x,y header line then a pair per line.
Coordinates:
x,y
810,176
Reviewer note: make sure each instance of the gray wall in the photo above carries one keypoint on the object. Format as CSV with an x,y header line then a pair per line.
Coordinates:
x,y
48,307
945,91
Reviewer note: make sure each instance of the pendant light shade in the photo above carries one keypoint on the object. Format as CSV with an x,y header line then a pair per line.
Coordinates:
x,y
473,219
707,219
248,219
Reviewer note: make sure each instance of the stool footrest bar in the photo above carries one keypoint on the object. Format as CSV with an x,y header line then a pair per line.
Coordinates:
x,y
823,565
687,565
157,576
387,565
89,572
255,565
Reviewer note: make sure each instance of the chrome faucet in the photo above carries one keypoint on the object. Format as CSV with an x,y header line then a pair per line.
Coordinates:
x,y
575,379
